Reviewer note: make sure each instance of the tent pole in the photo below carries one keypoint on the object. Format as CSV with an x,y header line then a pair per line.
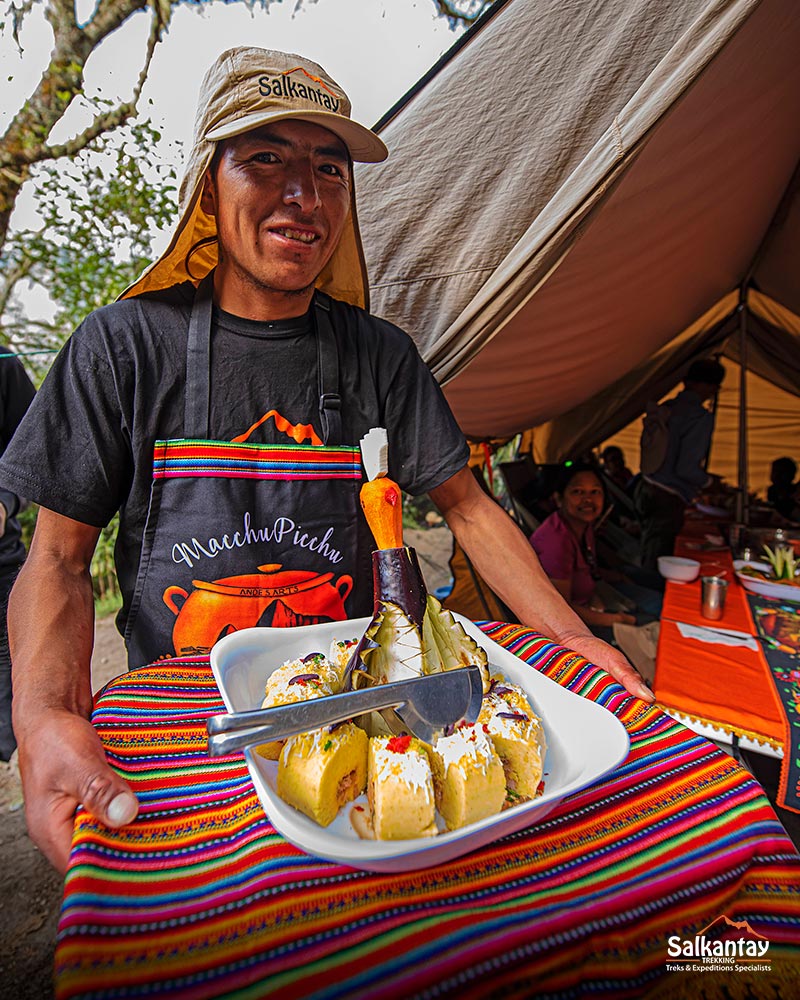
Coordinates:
x,y
742,503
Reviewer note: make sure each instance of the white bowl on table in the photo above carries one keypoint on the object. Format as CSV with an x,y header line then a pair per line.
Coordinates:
x,y
678,569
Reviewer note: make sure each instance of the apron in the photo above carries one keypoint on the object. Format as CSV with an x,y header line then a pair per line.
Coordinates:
x,y
241,534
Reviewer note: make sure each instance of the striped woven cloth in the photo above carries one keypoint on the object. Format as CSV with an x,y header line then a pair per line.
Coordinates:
x,y
201,898
178,459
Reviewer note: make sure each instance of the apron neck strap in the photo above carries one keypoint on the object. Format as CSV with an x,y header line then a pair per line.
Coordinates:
x,y
198,362
330,402
198,367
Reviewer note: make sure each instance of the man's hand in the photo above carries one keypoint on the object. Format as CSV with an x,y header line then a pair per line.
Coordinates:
x,y
611,660
62,764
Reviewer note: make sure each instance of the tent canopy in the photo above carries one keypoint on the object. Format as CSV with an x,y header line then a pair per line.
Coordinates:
x,y
582,199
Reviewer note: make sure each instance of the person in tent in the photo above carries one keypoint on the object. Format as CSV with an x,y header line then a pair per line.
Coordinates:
x,y
566,545
782,489
662,494
219,407
613,459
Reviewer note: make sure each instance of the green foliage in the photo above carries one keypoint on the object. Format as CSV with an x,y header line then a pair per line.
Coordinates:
x,y
99,214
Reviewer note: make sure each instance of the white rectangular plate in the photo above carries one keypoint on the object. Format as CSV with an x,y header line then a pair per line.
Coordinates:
x,y
765,588
584,742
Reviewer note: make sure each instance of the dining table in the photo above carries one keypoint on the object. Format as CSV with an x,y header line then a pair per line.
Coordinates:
x,y
630,887
725,677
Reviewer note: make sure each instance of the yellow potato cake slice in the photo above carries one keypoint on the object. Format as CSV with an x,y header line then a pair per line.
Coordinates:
x,y
313,676
320,772
400,788
468,777
518,737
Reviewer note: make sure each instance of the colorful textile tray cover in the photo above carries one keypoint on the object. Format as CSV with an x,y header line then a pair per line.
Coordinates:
x,y
584,742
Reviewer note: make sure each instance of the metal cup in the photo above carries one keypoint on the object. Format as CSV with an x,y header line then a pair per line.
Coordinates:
x,y
712,603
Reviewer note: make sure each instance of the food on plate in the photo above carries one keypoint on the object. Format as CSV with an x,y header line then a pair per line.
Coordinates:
x,y
767,576
340,652
312,676
319,772
400,788
517,735
783,562
468,776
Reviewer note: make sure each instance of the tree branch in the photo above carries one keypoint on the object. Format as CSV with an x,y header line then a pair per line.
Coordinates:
x,y
11,279
465,11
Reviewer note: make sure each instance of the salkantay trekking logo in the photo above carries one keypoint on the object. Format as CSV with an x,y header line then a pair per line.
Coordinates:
x,y
747,953
283,86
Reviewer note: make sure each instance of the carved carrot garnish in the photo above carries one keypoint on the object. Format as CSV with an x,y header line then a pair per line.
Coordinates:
x,y
383,509
381,499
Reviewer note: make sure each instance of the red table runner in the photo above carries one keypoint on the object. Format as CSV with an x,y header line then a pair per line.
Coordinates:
x,y
201,898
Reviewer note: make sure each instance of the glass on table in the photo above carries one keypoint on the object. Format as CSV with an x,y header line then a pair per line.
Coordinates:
x,y
712,599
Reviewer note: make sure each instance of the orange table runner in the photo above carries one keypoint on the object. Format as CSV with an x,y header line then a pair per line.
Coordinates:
x,y
728,687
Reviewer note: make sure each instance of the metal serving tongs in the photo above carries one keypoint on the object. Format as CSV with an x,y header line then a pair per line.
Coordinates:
x,y
426,706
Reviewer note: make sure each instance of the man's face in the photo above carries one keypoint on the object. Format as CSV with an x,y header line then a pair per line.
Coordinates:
x,y
281,196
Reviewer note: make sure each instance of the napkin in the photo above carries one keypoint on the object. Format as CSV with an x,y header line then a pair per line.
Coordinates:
x,y
724,638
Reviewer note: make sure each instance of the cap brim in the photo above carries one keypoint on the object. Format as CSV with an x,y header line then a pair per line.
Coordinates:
x,y
363,144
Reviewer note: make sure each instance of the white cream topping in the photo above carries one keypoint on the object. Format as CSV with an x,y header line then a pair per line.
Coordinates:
x,y
469,746
282,688
411,766
313,742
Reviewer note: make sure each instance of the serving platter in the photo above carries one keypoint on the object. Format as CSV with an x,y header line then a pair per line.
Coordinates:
x,y
765,588
584,743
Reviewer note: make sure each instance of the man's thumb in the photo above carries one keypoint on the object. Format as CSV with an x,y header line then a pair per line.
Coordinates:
x,y
122,809
108,799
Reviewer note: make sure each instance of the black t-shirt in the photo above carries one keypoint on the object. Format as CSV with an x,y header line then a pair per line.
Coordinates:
x,y
85,448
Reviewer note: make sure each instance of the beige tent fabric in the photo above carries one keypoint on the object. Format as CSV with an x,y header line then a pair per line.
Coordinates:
x,y
578,186
773,354
611,409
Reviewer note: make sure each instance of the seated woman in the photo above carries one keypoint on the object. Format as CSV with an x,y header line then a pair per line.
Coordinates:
x,y
565,544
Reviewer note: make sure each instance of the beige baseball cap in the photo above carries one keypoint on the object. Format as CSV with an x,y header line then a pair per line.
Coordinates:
x,y
245,88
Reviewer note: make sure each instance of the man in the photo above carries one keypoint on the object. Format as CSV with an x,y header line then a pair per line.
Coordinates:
x,y
224,424
16,393
662,495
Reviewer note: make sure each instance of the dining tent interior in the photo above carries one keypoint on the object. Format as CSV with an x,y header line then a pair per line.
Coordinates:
x,y
579,200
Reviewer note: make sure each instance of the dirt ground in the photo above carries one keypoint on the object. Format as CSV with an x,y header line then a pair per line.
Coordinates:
x,y
30,890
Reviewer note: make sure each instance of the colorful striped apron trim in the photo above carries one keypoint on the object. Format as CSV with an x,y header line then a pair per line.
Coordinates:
x,y
181,459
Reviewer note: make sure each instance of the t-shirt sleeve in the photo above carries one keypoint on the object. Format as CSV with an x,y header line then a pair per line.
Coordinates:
x,y
426,445
71,450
